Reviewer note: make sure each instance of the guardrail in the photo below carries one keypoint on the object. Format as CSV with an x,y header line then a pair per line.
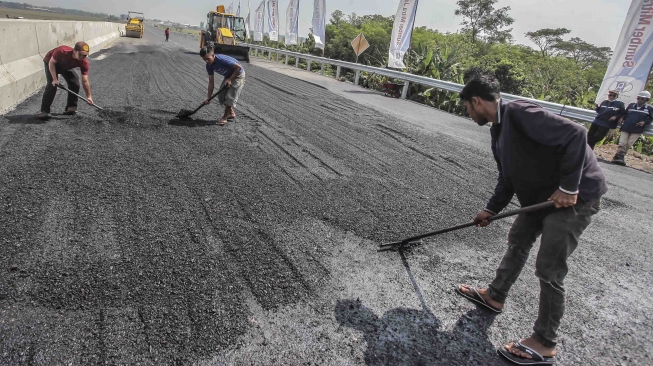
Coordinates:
x,y
566,111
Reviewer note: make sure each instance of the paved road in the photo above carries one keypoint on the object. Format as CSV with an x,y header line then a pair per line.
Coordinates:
x,y
130,237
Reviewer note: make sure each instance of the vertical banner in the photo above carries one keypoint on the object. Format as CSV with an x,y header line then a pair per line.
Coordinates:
x,y
258,22
238,9
273,19
292,22
230,9
633,56
401,33
248,28
319,23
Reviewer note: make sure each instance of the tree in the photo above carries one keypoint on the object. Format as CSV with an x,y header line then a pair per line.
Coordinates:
x,y
481,18
337,17
547,38
584,54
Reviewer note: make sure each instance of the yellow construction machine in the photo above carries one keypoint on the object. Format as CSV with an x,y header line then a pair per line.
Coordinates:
x,y
223,32
135,27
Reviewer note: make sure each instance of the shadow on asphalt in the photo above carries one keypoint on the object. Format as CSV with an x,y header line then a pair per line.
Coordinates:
x,y
30,119
413,337
191,53
187,122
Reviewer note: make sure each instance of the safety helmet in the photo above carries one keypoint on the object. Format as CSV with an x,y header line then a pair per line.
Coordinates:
x,y
644,94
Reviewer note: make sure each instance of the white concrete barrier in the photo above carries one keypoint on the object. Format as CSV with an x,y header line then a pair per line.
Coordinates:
x,y
24,43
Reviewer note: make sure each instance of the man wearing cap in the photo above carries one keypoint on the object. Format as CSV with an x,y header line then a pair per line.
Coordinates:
x,y
607,117
637,116
61,61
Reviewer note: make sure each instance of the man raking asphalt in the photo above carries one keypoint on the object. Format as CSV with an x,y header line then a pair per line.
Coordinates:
x,y
61,61
540,156
234,80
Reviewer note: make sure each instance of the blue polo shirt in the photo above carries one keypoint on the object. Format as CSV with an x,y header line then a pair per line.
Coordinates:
x,y
223,65
636,114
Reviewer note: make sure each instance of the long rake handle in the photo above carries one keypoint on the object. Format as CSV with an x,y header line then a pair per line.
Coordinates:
x,y
79,96
539,206
210,99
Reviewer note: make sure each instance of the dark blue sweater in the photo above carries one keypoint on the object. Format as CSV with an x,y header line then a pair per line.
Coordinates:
x,y
538,152
636,114
607,110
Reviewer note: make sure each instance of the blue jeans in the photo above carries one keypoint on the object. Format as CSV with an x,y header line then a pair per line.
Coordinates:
x,y
560,229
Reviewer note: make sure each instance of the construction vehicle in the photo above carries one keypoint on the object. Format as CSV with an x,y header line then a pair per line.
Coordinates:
x,y
135,27
223,32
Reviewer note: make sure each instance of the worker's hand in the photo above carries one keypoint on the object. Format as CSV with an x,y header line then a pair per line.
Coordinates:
x,y
613,118
641,123
227,83
207,102
90,100
562,199
55,82
481,219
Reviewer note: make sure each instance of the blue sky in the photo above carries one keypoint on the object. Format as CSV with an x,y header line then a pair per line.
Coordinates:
x,y
596,21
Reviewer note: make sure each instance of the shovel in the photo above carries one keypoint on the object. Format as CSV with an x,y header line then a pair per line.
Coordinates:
x,y
400,244
185,113
79,96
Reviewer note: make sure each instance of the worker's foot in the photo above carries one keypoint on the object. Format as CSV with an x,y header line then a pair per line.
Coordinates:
x,y
43,116
231,117
70,111
472,294
533,344
222,121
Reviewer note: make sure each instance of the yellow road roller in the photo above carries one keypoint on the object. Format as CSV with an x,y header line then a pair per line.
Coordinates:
x,y
135,27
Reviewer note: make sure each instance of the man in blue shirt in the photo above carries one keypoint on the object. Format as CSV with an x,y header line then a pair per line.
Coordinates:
x,y
234,79
638,115
607,116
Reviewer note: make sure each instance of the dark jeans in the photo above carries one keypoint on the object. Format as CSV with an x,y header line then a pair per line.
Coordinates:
x,y
595,134
560,230
51,91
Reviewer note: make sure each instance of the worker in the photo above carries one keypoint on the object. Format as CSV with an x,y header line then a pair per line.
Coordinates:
x,y
61,61
234,80
167,32
608,114
540,156
637,116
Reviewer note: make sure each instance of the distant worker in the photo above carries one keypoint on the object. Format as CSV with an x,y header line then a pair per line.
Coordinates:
x,y
234,80
61,61
637,116
609,112
167,32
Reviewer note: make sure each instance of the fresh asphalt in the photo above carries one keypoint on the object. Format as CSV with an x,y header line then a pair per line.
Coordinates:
x,y
132,237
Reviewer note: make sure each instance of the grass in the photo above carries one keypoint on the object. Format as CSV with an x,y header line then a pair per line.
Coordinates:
x,y
45,15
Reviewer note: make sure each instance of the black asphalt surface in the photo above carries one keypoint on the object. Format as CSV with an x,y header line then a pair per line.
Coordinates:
x,y
131,237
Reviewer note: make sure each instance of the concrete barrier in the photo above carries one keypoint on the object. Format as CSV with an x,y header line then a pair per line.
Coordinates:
x,y
24,43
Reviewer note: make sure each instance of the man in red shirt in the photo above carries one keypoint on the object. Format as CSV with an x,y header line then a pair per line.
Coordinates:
x,y
61,61
167,34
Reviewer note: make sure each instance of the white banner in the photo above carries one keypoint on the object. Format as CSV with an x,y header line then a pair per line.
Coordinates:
x,y
401,33
230,9
258,22
292,22
633,56
319,23
248,28
238,9
273,20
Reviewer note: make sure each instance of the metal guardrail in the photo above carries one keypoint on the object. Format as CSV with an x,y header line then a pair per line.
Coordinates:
x,y
566,111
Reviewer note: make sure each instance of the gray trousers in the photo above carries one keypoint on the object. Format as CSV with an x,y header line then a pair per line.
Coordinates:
x,y
560,229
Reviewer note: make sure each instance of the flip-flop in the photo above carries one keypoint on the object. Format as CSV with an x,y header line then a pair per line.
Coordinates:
x,y
478,299
221,123
537,359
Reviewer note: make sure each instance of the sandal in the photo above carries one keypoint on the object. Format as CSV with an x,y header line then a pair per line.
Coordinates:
x,y
537,359
222,121
477,298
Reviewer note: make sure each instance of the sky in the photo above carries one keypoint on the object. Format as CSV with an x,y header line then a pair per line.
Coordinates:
x,y
596,21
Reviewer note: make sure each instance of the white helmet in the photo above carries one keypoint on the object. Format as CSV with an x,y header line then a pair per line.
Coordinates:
x,y
644,94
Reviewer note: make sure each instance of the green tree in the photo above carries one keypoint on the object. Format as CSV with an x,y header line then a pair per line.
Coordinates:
x,y
584,54
547,38
480,18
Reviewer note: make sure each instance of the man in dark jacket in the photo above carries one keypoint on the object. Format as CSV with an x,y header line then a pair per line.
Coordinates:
x,y
607,117
637,116
540,156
